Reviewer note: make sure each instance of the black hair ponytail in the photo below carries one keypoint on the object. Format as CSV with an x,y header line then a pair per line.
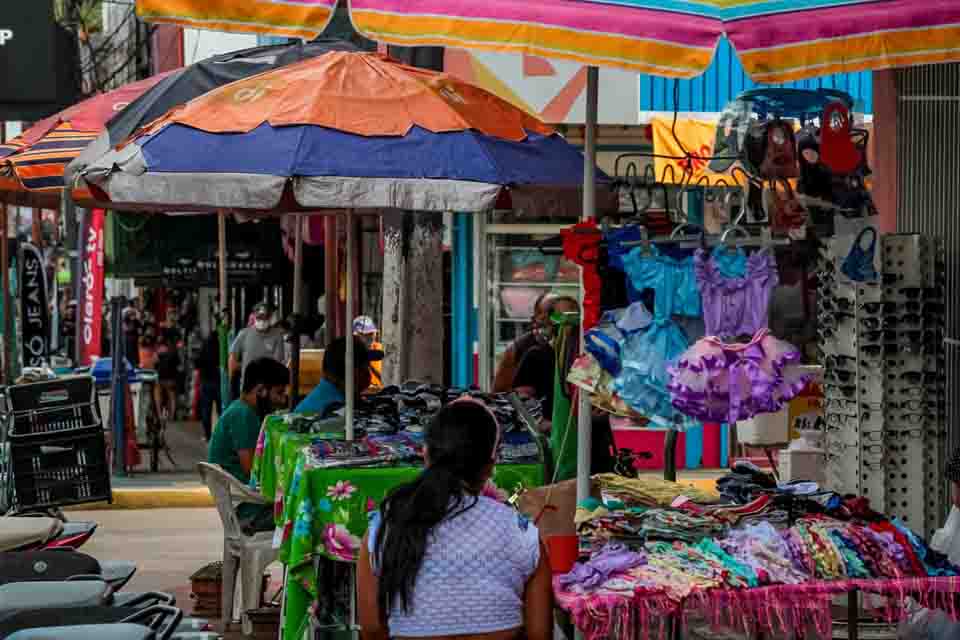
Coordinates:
x,y
460,442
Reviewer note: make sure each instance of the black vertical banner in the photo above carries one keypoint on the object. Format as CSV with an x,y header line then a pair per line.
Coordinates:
x,y
35,311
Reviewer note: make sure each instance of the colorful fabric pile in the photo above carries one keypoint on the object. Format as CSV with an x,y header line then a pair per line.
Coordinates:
x,y
770,564
650,492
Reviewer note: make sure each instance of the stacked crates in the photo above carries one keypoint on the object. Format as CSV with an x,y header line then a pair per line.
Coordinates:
x,y
56,449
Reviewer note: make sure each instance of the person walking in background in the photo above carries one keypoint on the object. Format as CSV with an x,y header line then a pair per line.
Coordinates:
x,y
148,352
262,340
131,334
208,366
168,372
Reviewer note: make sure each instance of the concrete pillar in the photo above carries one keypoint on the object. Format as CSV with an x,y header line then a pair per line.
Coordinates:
x,y
413,328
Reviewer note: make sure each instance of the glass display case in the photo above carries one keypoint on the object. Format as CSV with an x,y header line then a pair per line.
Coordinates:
x,y
520,262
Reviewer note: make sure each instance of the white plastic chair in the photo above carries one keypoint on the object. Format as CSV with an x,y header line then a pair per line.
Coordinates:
x,y
249,554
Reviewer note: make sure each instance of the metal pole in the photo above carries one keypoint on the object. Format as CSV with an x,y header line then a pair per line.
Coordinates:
x,y
584,412
331,282
298,266
7,299
349,368
297,311
118,386
222,255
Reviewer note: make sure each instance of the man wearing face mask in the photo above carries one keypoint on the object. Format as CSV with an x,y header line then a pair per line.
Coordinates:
x,y
235,437
262,340
510,361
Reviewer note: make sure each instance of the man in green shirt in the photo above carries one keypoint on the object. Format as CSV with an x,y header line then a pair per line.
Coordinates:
x,y
235,437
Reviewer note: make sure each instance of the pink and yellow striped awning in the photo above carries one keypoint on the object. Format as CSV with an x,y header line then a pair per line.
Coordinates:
x,y
777,40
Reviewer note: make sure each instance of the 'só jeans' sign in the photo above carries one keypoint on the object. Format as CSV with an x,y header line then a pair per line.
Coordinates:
x,y
34,308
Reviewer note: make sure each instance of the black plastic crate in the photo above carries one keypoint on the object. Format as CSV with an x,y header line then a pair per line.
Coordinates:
x,y
62,470
52,407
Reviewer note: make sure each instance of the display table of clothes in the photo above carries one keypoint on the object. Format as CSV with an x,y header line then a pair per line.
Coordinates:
x,y
692,342
323,487
760,558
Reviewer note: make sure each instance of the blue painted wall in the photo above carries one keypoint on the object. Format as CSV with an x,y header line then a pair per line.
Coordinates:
x,y
725,78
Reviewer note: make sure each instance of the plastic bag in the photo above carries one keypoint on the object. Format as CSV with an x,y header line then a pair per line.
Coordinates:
x,y
947,539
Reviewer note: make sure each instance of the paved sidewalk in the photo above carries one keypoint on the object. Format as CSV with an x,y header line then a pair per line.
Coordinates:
x,y
172,486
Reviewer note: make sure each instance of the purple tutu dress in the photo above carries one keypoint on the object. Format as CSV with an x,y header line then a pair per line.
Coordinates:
x,y
718,381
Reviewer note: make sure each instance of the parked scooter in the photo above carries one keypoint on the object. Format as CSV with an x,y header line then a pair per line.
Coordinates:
x,y
34,532
89,603
55,565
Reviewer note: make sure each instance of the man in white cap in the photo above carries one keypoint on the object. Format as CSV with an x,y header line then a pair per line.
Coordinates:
x,y
365,329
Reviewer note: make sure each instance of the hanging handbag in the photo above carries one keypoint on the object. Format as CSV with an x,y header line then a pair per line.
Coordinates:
x,y
780,151
837,149
858,265
788,212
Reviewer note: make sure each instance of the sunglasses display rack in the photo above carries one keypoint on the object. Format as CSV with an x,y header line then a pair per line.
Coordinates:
x,y
884,383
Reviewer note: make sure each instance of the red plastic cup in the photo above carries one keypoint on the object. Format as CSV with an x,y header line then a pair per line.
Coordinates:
x,y
563,552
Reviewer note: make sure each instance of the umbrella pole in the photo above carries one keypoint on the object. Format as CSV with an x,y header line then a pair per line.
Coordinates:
x,y
225,385
349,365
222,256
7,302
297,311
584,412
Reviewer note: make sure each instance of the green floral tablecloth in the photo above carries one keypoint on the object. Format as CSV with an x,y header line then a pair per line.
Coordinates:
x,y
325,514
282,447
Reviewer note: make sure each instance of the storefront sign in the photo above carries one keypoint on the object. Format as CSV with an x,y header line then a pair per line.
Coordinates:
x,y
34,308
37,61
91,317
27,52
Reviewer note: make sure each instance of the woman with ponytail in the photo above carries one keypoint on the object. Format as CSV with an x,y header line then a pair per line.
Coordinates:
x,y
441,559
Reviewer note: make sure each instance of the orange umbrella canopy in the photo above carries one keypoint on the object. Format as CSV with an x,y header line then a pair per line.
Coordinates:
x,y
366,94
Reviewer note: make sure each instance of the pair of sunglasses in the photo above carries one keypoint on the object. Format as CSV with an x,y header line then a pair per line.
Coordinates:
x,y
877,351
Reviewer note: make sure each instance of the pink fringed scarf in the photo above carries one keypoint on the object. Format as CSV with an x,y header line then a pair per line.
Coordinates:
x,y
771,609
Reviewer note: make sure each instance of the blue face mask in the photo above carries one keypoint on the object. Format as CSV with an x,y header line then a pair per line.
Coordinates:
x,y
858,265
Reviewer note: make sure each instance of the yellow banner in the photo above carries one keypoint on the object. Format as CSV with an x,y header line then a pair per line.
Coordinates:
x,y
250,16
697,138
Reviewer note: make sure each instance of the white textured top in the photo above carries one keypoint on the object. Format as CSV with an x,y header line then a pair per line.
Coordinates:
x,y
473,575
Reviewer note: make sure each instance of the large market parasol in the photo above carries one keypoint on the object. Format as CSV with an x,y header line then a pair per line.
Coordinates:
x,y
776,41
33,163
192,81
342,131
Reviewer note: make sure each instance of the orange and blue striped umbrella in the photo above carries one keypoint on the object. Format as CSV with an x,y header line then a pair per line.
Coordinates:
x,y
32,164
777,40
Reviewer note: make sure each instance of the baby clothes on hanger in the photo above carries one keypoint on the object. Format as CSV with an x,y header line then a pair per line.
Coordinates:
x,y
672,279
617,248
735,304
720,381
642,382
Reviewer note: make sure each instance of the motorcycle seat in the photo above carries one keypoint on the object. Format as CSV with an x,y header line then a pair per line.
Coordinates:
x,y
123,631
49,595
18,531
